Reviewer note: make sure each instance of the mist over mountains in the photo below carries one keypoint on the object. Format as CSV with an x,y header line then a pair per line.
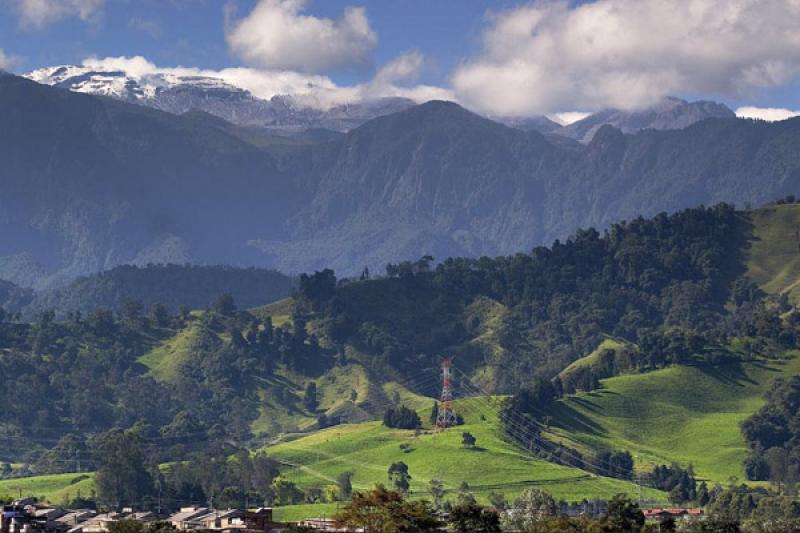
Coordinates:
x,y
88,183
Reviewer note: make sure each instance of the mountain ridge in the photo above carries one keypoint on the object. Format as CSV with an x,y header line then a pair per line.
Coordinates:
x,y
90,183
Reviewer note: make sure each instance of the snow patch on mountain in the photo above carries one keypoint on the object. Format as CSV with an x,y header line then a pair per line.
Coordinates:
x,y
176,93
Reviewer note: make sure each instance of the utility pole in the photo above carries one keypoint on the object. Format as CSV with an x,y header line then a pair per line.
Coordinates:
x,y
447,416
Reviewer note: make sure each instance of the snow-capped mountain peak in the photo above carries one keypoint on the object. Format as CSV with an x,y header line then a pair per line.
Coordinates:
x,y
121,84
177,93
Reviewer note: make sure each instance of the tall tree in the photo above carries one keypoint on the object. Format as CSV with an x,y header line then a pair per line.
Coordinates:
x,y
122,478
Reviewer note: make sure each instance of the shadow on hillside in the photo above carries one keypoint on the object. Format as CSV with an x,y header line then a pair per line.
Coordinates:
x,y
734,374
569,419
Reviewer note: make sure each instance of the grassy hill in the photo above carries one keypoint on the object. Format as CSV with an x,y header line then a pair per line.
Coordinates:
x,y
680,413
367,450
773,260
53,488
593,358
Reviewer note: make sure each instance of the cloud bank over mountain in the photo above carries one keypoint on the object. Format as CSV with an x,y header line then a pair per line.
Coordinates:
x,y
770,114
627,54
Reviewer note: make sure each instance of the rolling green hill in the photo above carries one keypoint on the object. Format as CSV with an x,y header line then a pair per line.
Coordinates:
x,y
53,488
495,465
593,358
773,260
685,414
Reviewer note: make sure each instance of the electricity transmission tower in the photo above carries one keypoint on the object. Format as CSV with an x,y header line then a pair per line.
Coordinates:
x,y
447,416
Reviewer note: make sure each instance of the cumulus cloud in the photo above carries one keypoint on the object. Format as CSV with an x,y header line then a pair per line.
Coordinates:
x,y
40,13
771,114
6,61
405,68
549,56
309,89
278,35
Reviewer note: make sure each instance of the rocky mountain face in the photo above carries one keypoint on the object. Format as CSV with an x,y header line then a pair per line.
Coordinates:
x,y
670,114
179,94
88,183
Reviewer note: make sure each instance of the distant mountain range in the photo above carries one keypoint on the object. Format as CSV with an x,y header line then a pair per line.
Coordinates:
x,y
89,183
669,114
180,94
286,114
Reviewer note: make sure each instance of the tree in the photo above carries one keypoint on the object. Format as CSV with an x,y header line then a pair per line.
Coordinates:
x,y
399,476
474,518
344,482
310,398
434,414
436,488
702,494
287,492
465,496
530,507
159,316
401,418
318,288
498,501
385,511
123,477
468,440
623,514
224,305
131,313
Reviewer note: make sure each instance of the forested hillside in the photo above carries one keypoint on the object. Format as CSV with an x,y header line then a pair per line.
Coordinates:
x,y
669,290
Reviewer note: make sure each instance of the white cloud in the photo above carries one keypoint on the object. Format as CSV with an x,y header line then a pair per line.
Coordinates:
x,y
568,117
277,35
404,68
40,13
6,60
548,56
771,114
310,89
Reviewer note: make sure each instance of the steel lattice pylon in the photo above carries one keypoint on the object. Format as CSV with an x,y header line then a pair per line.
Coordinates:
x,y
447,416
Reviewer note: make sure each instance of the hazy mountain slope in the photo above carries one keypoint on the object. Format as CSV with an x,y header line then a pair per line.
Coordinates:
x,y
438,179
172,285
670,114
12,297
88,183
434,179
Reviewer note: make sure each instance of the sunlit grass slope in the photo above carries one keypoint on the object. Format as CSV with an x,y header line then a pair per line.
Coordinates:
x,y
367,450
54,488
773,259
681,413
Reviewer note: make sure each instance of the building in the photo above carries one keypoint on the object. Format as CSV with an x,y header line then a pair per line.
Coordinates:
x,y
676,513
25,516
203,518
323,524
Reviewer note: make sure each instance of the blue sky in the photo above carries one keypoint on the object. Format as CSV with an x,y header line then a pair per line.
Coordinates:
x,y
500,57
192,33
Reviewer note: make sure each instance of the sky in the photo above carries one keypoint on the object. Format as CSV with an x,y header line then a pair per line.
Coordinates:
x,y
502,58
